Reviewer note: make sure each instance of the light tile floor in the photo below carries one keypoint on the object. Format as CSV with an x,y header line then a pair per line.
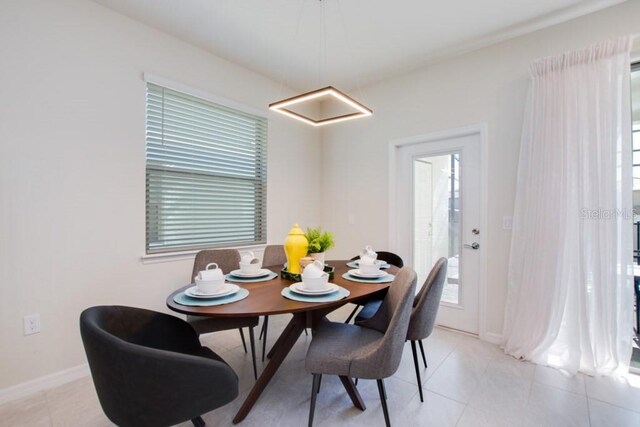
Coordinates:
x,y
468,383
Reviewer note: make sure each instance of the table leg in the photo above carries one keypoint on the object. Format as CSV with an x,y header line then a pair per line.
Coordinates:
x,y
280,349
352,391
284,334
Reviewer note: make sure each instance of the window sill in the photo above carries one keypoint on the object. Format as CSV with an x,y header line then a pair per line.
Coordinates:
x,y
181,256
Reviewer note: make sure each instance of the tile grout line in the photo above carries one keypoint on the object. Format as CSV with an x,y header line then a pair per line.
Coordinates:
x,y
46,400
614,405
584,384
588,411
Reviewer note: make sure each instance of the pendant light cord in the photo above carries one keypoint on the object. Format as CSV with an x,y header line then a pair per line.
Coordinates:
x,y
322,60
322,66
350,51
294,44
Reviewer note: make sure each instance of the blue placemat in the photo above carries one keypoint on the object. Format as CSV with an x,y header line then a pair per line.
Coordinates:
x,y
384,279
354,264
334,296
183,299
237,279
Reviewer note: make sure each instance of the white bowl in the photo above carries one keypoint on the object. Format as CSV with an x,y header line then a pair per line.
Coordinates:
x,y
209,286
369,268
248,268
315,283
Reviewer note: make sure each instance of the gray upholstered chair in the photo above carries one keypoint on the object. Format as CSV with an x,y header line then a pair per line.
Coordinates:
x,y
228,260
371,350
423,314
273,255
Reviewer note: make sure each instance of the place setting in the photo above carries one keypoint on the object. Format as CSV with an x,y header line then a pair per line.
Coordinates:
x,y
210,288
250,271
368,269
315,286
368,249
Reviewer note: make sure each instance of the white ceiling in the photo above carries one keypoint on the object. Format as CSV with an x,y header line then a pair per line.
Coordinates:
x,y
366,40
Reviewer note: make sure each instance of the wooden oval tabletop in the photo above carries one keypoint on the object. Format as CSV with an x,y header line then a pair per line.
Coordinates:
x,y
265,298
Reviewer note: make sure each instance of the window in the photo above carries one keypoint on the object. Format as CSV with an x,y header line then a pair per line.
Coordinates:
x,y
635,119
205,173
635,112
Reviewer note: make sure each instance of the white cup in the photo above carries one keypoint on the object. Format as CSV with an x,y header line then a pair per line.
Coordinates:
x,y
211,272
373,268
249,268
315,283
210,280
368,255
247,257
313,270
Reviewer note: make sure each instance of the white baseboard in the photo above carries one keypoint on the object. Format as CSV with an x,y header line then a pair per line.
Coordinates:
x,y
43,383
493,338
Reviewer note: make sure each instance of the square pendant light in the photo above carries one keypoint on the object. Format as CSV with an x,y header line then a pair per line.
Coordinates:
x,y
328,93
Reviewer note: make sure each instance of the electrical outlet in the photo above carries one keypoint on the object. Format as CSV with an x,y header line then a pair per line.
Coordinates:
x,y
31,324
507,222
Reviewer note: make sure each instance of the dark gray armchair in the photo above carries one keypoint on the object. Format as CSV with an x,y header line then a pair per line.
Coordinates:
x,y
372,349
388,257
149,368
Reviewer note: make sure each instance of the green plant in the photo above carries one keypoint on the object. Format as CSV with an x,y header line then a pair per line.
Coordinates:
x,y
319,241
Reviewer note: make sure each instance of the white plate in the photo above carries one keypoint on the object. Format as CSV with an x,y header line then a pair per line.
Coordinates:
x,y
358,273
263,272
227,289
300,289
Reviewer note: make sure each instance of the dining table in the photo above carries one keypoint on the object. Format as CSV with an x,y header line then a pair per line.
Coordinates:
x,y
265,299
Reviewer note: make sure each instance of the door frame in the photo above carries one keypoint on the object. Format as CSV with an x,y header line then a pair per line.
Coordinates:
x,y
394,146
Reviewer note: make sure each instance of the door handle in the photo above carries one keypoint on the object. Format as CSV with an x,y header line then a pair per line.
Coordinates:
x,y
475,246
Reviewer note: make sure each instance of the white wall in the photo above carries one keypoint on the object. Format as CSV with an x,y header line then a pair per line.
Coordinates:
x,y
72,181
487,86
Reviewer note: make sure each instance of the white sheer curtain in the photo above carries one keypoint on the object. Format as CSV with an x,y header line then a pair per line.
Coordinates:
x,y
570,299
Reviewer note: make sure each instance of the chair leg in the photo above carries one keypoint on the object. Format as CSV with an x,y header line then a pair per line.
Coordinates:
x,y
244,344
315,388
424,359
198,422
319,382
253,352
415,364
355,381
383,399
265,325
305,332
353,313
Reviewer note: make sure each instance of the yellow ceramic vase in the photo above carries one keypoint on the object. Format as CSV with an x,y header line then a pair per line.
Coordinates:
x,y
295,246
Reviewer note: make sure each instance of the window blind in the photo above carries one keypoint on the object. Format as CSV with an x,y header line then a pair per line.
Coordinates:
x,y
205,173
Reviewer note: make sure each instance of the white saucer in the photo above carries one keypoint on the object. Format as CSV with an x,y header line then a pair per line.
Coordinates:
x,y
262,272
358,273
300,289
227,289
356,263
